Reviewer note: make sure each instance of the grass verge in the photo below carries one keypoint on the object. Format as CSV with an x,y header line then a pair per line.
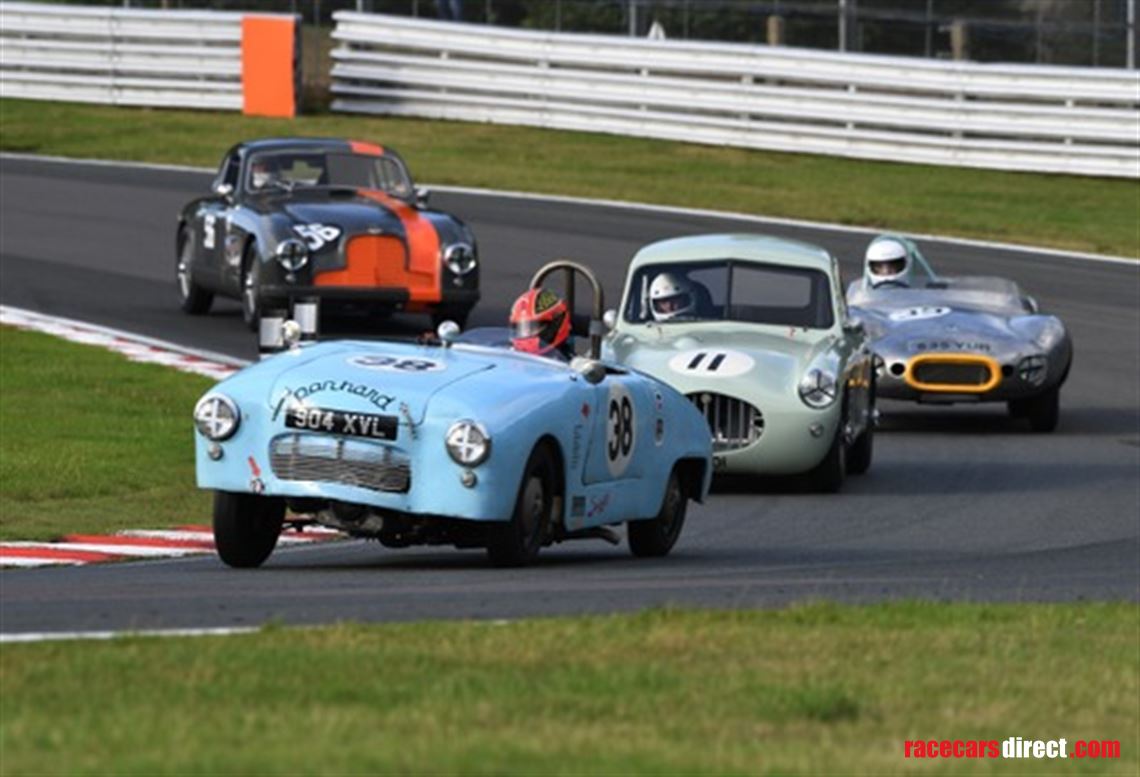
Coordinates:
x,y
90,442
1069,212
819,689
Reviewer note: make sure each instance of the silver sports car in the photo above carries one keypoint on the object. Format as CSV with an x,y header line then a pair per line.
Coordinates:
x,y
947,340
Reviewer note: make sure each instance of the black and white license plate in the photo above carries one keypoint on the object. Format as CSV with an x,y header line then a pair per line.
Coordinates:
x,y
376,427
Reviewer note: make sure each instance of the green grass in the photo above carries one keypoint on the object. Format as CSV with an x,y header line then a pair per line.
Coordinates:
x,y
814,689
1070,212
90,442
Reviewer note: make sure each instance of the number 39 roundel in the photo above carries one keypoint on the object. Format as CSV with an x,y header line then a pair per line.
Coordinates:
x,y
621,429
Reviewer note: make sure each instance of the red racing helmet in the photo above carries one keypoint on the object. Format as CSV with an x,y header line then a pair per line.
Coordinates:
x,y
540,322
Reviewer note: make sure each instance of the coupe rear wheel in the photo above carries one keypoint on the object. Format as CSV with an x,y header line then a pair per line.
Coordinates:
x,y
516,542
246,527
192,298
251,288
657,536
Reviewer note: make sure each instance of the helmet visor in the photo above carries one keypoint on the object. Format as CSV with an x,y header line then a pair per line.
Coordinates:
x,y
890,267
546,331
672,304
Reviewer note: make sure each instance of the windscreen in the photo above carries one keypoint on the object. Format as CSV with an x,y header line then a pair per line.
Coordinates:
x,y
730,290
291,170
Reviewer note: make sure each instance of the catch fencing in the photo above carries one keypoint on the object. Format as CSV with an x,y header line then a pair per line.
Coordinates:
x,y
1013,117
184,59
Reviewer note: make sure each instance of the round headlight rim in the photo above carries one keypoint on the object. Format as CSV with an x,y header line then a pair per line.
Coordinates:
x,y
452,264
217,396
482,430
818,387
302,252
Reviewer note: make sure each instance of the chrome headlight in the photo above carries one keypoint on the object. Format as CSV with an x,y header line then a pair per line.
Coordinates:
x,y
459,258
468,443
818,388
292,254
1032,369
216,417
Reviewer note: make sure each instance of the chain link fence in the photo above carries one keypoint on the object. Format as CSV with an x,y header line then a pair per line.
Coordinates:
x,y
1097,33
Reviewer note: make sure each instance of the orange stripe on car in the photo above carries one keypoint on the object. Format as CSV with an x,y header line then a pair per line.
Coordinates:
x,y
268,54
382,260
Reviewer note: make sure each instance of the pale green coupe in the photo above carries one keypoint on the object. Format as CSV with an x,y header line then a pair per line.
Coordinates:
x,y
754,330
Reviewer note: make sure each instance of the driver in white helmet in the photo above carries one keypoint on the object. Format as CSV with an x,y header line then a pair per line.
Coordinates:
x,y
671,296
893,260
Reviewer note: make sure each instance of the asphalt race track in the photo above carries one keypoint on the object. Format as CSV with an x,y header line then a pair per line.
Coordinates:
x,y
960,503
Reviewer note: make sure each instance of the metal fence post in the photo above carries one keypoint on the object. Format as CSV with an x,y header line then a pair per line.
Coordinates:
x,y
1131,32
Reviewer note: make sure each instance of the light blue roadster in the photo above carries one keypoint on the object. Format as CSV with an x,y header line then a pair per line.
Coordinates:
x,y
458,442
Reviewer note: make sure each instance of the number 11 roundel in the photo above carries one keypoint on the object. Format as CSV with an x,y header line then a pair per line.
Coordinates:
x,y
621,429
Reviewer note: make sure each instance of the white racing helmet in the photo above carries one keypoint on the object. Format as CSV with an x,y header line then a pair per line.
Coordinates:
x,y
887,261
671,296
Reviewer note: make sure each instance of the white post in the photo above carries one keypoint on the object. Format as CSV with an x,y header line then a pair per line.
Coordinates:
x,y
269,335
306,312
842,25
1131,56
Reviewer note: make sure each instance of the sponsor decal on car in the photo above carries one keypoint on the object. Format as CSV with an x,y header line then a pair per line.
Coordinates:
x,y
395,363
294,396
712,363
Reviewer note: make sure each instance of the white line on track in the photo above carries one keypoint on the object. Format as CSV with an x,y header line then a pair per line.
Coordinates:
x,y
135,347
648,208
51,636
110,548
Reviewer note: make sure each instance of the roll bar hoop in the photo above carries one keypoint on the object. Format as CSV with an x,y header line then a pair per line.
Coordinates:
x,y
569,268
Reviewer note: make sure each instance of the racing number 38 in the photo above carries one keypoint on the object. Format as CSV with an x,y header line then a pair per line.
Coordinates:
x,y
620,429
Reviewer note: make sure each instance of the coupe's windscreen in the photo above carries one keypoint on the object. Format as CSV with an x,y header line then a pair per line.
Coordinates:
x,y
289,171
730,290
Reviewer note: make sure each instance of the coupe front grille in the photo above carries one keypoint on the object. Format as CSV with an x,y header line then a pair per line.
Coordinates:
x,y
321,459
733,423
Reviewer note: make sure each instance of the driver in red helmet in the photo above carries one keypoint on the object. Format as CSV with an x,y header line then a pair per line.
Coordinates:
x,y
540,324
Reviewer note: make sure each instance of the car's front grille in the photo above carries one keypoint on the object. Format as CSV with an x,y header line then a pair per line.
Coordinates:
x,y
733,423
313,457
952,374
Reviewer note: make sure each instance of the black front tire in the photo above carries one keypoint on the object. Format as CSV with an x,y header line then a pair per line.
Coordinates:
x,y
192,298
246,527
251,289
827,476
1042,411
516,543
655,537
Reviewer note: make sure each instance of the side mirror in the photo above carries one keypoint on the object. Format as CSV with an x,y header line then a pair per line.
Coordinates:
x,y
609,318
594,372
447,332
1030,304
854,327
423,194
225,190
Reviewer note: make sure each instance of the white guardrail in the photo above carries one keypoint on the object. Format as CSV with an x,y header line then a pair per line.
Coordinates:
x,y
187,59
1013,117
